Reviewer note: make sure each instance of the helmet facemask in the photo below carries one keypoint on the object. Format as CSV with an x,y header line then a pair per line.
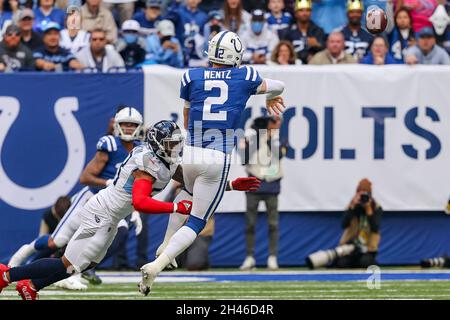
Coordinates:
x,y
170,148
128,115
136,135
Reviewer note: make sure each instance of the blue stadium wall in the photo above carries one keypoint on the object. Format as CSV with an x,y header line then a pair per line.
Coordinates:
x,y
34,152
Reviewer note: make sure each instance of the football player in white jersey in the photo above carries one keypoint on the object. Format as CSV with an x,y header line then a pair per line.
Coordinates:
x,y
98,173
215,98
144,173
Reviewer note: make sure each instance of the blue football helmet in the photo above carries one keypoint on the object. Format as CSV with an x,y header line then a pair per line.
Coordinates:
x,y
166,140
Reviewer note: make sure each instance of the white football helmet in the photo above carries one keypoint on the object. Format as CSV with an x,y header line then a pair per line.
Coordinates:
x,y
128,114
226,48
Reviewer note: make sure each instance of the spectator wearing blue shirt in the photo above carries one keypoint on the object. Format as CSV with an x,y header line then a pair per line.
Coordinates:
x,y
46,12
149,17
357,40
188,19
402,36
305,35
278,19
51,57
329,14
214,26
379,53
163,47
426,51
7,9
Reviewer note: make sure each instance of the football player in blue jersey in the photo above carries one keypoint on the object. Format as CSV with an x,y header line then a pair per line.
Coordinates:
x,y
98,174
215,98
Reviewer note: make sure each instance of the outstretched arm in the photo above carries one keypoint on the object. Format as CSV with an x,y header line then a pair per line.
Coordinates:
x,y
273,89
143,202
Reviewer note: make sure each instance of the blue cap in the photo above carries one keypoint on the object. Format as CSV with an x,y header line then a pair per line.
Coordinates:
x,y
215,14
50,25
153,3
426,32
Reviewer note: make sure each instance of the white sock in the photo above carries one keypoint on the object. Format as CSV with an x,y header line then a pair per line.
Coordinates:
x,y
22,254
176,221
180,241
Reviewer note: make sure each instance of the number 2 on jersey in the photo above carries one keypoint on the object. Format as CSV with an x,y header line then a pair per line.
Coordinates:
x,y
220,100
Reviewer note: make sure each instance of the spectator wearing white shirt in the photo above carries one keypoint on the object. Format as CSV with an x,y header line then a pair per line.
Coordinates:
x,y
74,39
100,56
259,40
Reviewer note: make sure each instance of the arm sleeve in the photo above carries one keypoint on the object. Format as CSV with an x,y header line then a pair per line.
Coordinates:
x,y
253,79
143,202
274,88
184,86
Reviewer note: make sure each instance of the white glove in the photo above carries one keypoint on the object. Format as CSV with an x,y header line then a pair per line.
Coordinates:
x,y
136,220
109,182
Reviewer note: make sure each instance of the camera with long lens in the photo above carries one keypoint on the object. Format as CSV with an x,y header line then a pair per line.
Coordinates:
x,y
324,257
364,198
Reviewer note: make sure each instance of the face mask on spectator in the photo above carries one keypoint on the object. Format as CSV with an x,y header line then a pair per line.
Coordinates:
x,y
257,27
130,38
216,28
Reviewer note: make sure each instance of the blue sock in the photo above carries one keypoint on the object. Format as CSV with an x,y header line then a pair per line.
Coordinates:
x,y
45,282
121,237
46,253
41,243
38,269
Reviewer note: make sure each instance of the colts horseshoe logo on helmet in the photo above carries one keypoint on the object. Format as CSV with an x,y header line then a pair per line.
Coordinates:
x,y
234,41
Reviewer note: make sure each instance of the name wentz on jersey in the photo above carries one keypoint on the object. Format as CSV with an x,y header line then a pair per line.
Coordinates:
x,y
116,199
217,98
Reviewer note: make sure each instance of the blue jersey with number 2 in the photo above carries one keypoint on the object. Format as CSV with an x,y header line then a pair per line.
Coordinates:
x,y
217,98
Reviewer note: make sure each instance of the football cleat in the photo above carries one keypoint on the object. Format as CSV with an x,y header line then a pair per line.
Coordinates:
x,y
26,291
149,273
90,276
3,283
71,283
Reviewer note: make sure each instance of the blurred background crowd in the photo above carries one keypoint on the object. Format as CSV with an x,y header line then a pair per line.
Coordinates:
x,y
124,35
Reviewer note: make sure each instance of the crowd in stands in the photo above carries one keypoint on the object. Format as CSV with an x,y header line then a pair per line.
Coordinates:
x,y
120,35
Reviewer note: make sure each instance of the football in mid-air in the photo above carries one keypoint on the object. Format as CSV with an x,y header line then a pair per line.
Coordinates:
x,y
376,20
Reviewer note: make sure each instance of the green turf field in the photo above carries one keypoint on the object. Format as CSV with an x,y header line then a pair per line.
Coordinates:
x,y
188,286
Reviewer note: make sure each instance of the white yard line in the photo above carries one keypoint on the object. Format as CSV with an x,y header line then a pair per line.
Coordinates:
x,y
265,272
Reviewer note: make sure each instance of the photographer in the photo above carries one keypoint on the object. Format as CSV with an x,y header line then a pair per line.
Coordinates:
x,y
359,243
264,151
362,229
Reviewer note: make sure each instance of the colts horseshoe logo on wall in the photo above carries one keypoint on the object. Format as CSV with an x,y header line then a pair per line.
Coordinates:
x,y
44,196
